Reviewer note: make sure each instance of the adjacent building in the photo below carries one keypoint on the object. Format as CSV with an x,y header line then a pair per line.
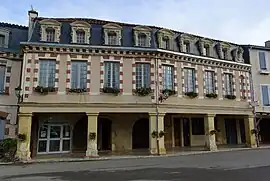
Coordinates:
x,y
91,85
259,57
10,72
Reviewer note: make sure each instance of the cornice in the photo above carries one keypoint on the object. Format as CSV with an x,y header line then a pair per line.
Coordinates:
x,y
132,52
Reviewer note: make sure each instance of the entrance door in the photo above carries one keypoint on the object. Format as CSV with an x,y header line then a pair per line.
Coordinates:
x,y
186,131
54,138
231,131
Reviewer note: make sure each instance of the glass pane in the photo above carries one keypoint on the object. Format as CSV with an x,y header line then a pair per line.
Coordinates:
x,y
55,131
42,146
66,131
66,145
54,145
43,131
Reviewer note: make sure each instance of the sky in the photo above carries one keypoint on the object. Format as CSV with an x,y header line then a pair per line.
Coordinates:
x,y
237,21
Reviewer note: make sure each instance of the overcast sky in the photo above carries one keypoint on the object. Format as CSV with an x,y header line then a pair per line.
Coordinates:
x,y
238,21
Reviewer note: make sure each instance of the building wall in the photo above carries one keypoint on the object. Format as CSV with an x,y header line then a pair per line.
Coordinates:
x,y
8,101
259,78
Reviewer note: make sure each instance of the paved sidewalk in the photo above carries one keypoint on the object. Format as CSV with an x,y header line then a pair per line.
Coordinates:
x,y
67,159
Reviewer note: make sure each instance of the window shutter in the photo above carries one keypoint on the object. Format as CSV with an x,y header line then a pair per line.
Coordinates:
x,y
262,61
265,95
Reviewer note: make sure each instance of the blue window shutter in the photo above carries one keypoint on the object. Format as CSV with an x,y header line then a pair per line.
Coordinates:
x,y
262,60
265,95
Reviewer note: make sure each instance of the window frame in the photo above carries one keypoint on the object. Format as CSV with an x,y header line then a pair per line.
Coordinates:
x,y
145,39
266,61
47,73
165,78
79,74
208,91
143,76
79,38
229,75
117,86
186,87
110,38
242,86
47,30
261,92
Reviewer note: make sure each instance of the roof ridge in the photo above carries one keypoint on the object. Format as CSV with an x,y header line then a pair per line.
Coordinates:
x,y
11,25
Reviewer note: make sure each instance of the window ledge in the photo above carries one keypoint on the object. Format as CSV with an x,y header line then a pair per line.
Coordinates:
x,y
264,72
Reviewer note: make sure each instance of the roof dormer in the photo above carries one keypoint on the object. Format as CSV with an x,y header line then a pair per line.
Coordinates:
x,y
80,32
142,36
50,30
112,34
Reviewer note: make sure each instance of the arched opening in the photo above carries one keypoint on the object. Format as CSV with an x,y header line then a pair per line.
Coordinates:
x,y
80,135
104,134
140,134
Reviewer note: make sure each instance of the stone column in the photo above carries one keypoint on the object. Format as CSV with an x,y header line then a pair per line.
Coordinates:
x,y
24,127
92,130
249,125
155,122
210,139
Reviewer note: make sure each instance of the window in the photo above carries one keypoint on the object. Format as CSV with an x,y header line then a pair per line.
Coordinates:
x,y
265,90
206,50
189,78
262,59
2,41
47,73
168,77
166,42
242,86
209,82
186,47
224,53
142,40
2,78
142,75
78,74
112,38
80,36
112,74
197,126
50,33
228,78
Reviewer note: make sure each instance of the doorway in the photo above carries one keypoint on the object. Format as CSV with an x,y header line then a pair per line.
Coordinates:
x,y
104,134
80,135
231,131
177,132
140,134
186,131
54,138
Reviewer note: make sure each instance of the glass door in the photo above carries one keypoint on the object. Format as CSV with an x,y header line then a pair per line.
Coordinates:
x,y
54,138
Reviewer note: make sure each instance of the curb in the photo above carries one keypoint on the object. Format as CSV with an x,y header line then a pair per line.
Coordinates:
x,y
130,157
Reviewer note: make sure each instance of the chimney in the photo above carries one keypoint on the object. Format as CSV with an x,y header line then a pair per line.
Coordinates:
x,y
267,44
32,14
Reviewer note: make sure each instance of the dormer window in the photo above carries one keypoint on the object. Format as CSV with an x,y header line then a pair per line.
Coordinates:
x,y
80,36
165,39
50,30
225,53
112,38
112,34
2,41
142,40
80,32
50,33
142,36
186,47
166,42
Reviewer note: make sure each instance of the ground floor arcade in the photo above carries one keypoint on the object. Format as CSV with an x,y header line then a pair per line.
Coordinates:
x,y
93,133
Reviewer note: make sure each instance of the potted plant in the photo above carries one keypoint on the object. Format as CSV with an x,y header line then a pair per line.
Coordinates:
x,y
161,134
143,91
168,92
21,137
213,132
211,95
77,90
230,97
111,90
191,94
254,131
92,136
44,90
154,134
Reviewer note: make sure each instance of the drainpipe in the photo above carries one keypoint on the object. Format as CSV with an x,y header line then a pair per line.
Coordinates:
x,y
157,99
253,100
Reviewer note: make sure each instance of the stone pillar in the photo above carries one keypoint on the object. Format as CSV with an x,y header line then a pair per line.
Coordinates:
x,y
250,138
92,130
24,127
153,124
210,139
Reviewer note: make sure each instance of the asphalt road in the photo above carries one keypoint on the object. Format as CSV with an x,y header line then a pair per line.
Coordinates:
x,y
248,165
